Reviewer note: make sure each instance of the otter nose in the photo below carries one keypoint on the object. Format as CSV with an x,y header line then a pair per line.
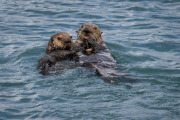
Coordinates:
x,y
68,41
86,30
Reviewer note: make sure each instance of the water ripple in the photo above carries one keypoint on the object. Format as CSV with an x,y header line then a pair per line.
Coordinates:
x,y
142,35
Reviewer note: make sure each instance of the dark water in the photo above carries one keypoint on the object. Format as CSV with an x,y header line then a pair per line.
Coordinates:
x,y
144,37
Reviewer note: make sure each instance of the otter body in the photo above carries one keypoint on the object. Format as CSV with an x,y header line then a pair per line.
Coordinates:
x,y
94,54
102,63
56,61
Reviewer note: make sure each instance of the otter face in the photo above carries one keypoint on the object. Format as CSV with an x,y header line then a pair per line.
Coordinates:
x,y
60,41
89,31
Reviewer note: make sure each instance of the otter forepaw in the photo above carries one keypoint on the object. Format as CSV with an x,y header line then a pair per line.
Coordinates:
x,y
89,51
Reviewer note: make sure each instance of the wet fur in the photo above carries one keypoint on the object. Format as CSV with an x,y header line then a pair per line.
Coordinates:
x,y
93,33
56,44
57,50
94,54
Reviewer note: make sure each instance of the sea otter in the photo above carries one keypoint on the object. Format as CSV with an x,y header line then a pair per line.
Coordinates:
x,y
58,50
94,54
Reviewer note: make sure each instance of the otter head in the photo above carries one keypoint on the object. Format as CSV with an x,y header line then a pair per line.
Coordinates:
x,y
89,31
59,41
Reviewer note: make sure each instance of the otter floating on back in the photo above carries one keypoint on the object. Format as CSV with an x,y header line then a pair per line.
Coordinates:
x,y
94,54
57,51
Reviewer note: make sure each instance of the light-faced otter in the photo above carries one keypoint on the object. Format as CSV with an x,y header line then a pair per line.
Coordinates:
x,y
88,37
58,49
94,54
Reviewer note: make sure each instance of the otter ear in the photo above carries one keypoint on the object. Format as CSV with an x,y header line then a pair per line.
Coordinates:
x,y
71,37
101,33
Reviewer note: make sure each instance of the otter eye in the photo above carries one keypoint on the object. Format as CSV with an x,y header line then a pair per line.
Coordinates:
x,y
59,38
95,28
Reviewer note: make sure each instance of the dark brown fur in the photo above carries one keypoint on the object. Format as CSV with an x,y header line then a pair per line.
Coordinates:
x,y
57,50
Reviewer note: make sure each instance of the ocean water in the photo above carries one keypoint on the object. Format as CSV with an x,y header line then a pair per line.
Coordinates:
x,y
143,36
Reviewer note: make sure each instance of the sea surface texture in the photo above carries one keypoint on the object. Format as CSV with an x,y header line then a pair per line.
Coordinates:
x,y
143,36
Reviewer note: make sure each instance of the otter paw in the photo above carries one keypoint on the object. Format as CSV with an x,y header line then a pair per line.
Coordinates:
x,y
89,51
